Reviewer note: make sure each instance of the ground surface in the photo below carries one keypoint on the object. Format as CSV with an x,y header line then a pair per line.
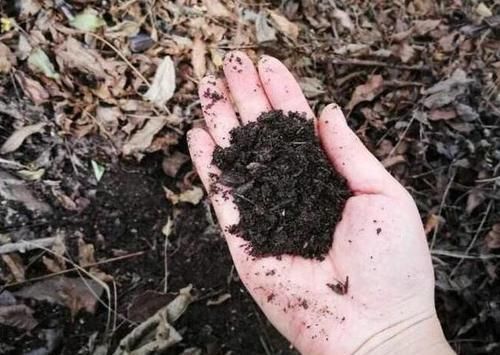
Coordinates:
x,y
418,81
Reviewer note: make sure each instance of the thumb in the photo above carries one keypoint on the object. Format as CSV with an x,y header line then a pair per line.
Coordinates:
x,y
364,173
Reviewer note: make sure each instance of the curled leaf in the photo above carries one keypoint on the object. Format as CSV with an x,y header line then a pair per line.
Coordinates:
x,y
163,86
366,92
344,19
38,61
285,26
193,195
17,138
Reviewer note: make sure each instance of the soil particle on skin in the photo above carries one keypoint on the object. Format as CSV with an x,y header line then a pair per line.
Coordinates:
x,y
289,196
379,230
214,96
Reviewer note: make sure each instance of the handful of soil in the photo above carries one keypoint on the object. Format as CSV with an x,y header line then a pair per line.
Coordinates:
x,y
288,194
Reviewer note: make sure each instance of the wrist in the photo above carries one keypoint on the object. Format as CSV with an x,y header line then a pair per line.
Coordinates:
x,y
423,336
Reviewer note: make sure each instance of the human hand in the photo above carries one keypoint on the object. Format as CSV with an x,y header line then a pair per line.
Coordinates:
x,y
387,305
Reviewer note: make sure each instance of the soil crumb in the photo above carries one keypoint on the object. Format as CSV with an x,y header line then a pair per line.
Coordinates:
x,y
289,196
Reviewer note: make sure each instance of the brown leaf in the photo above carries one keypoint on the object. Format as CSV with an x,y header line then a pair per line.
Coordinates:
x,y
312,87
72,54
7,58
16,266
32,88
86,258
432,223
422,27
18,137
194,195
285,26
216,9
344,19
442,114
19,316
108,118
173,163
198,60
143,138
474,199
75,293
147,304
367,92
51,264
404,51
493,237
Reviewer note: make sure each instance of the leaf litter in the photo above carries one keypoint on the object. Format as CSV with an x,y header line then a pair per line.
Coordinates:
x,y
420,83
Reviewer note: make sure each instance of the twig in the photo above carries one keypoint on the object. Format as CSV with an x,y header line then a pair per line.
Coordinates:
x,y
451,254
107,261
122,56
440,211
375,63
24,245
474,239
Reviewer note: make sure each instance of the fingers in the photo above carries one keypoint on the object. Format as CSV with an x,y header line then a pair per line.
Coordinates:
x,y
364,173
201,147
282,90
246,89
217,109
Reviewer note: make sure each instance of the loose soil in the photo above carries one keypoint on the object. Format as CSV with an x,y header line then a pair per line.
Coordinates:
x,y
288,194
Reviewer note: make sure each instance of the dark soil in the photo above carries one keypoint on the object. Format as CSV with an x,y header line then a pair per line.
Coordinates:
x,y
289,196
126,212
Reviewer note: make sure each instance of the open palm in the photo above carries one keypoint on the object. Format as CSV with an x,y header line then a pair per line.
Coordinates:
x,y
376,282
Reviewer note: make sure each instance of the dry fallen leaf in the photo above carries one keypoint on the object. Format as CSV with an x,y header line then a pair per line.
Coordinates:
x,y
19,316
194,195
483,10
344,19
86,258
198,60
404,51
143,138
16,266
108,118
73,55
263,31
366,92
173,163
19,136
312,87
285,26
422,27
28,8
7,58
432,223
74,293
32,88
163,86
442,114
216,9
493,237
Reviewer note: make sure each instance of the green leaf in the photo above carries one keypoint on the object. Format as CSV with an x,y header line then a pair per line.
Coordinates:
x,y
40,62
88,20
98,170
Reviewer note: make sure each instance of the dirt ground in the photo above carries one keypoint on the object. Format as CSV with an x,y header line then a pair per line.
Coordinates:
x,y
102,218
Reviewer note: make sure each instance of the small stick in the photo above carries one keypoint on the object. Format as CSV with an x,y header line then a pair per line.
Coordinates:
x,y
24,245
107,261
374,63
